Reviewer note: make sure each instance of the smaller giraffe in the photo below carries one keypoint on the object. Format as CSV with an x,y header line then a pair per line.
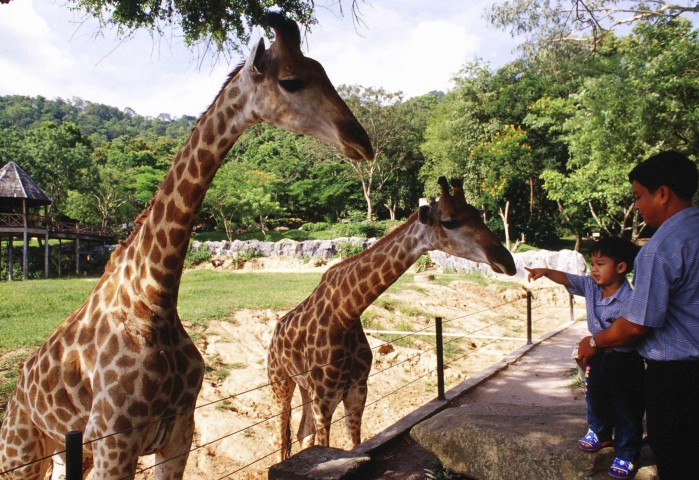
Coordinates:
x,y
320,344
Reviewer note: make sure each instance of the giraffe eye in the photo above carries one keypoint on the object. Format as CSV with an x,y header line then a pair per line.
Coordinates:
x,y
451,224
291,84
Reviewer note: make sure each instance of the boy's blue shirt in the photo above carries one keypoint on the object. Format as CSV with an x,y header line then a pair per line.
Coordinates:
x,y
601,312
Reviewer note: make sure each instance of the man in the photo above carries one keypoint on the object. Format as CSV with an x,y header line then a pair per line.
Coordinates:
x,y
662,315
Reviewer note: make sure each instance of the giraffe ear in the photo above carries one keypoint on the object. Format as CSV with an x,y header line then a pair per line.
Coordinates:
x,y
424,214
254,61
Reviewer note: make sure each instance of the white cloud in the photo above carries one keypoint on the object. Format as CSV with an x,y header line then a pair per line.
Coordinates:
x,y
408,45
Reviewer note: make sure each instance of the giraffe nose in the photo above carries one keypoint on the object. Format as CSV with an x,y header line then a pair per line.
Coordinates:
x,y
355,141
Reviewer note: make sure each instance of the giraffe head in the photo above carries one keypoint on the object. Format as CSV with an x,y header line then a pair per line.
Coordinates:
x,y
459,230
293,92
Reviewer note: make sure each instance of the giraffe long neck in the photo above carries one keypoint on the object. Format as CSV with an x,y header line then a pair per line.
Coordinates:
x,y
358,281
153,259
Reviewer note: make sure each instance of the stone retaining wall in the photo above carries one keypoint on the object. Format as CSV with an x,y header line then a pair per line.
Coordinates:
x,y
564,260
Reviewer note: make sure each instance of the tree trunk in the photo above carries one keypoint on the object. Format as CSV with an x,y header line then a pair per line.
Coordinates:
x,y
504,215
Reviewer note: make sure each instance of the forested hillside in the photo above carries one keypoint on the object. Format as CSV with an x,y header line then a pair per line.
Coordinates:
x,y
543,145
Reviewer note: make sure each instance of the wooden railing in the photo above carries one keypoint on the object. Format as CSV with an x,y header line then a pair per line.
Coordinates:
x,y
45,223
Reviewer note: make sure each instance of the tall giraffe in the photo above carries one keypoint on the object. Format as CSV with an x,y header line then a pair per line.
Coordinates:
x,y
122,368
320,344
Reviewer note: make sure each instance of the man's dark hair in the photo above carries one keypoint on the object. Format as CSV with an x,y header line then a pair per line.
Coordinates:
x,y
617,249
671,169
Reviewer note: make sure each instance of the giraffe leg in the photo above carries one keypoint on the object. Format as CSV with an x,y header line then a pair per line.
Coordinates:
x,y
306,434
323,409
21,443
354,402
115,457
172,459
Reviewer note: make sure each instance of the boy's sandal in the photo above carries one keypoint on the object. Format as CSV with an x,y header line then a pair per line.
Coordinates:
x,y
590,442
621,469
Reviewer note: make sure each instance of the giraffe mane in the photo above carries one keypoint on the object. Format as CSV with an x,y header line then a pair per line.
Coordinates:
x,y
140,219
138,223
230,77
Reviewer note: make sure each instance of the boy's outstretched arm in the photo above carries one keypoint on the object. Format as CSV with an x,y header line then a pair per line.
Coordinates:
x,y
554,275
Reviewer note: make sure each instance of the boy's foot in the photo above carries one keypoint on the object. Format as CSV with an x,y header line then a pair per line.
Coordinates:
x,y
590,442
621,469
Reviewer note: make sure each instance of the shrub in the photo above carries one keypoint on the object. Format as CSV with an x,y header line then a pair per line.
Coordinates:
x,y
315,227
347,249
195,257
243,257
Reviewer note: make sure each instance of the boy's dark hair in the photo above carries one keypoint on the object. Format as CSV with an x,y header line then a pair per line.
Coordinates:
x,y
671,169
617,249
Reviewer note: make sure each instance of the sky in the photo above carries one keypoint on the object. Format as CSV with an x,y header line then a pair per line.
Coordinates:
x,y
412,46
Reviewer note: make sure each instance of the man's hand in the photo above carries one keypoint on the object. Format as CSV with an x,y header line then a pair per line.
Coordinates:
x,y
585,351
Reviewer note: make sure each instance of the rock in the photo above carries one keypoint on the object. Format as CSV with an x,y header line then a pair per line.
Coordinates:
x,y
516,442
321,463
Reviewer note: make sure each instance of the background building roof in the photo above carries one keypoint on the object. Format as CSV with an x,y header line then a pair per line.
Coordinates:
x,y
16,184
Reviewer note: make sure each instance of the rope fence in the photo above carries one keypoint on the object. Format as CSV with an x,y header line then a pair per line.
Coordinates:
x,y
73,453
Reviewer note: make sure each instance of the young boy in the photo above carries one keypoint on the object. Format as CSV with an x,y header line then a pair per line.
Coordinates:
x,y
614,378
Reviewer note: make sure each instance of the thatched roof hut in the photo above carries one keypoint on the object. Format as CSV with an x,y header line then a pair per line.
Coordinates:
x,y
18,189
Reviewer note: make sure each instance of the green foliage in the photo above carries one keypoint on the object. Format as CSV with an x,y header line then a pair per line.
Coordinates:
x,y
196,256
222,27
315,226
348,249
242,258
437,471
423,263
242,195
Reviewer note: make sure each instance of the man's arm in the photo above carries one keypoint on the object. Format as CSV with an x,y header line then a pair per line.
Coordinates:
x,y
622,332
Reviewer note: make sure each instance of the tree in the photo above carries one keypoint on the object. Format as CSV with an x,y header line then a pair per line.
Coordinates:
x,y
58,159
648,103
240,195
218,26
405,188
385,121
325,194
546,24
101,204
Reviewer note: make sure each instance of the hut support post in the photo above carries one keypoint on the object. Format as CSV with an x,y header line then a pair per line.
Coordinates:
x,y
25,250
77,255
46,255
25,255
10,263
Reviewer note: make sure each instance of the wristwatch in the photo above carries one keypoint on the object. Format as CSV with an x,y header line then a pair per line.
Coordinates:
x,y
593,344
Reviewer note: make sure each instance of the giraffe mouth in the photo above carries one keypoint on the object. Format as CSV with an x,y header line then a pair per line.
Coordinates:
x,y
501,261
355,143
358,152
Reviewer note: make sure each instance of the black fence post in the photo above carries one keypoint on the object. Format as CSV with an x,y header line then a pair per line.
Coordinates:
x,y
440,359
529,317
74,455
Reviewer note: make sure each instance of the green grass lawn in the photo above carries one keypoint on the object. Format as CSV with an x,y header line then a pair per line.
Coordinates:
x,y
30,311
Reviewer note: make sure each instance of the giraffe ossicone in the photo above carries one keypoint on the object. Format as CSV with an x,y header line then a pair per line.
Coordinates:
x,y
122,368
320,345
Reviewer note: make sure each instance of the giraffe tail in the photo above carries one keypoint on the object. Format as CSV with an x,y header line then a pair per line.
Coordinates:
x,y
287,444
